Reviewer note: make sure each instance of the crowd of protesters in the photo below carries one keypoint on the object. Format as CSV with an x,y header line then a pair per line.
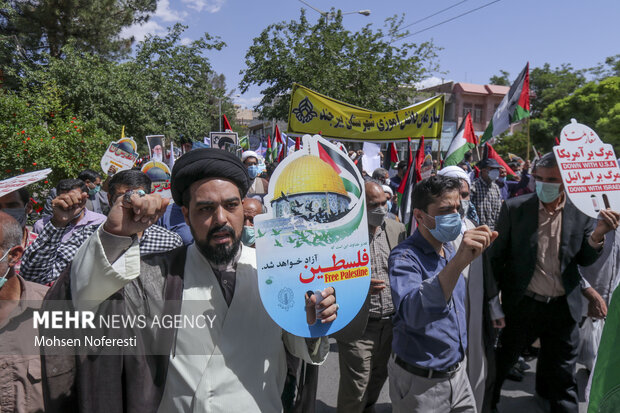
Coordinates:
x,y
497,270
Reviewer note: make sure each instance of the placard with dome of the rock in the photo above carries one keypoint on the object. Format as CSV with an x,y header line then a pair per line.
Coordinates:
x,y
314,235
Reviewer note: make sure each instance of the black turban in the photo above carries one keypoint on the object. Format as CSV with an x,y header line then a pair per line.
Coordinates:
x,y
207,163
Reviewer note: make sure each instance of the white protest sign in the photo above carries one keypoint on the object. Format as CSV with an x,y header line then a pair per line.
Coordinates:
x,y
371,159
17,182
120,155
589,169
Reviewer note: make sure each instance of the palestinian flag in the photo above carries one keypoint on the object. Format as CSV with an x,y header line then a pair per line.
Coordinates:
x,y
269,152
227,127
514,107
280,148
412,176
464,140
605,388
339,162
393,156
489,152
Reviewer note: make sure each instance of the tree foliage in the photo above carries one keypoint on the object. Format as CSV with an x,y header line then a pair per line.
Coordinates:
x,y
168,88
502,79
548,85
596,104
93,25
363,68
42,133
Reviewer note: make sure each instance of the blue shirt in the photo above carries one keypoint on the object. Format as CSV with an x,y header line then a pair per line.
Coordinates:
x,y
174,220
428,331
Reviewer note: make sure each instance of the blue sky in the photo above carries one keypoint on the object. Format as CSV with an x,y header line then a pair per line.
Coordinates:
x,y
503,35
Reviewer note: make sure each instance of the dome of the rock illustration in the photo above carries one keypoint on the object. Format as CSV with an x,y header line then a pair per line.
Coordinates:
x,y
157,174
310,188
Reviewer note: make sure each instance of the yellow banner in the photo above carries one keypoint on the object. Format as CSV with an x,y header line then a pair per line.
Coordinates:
x,y
312,113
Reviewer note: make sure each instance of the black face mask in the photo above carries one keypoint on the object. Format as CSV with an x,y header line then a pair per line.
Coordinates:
x,y
18,213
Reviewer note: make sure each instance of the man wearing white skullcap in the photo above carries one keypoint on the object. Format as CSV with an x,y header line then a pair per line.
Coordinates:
x,y
259,185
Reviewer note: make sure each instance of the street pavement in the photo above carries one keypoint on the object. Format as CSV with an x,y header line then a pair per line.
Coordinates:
x,y
516,397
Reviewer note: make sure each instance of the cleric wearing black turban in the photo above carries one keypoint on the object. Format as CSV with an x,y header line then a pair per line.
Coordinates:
x,y
237,362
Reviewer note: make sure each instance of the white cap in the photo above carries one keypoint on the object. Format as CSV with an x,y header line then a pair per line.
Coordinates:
x,y
248,154
455,172
386,188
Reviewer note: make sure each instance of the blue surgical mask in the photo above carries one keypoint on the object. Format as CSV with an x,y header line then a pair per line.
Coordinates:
x,y
253,171
389,206
93,191
3,279
447,227
248,236
493,174
501,180
547,191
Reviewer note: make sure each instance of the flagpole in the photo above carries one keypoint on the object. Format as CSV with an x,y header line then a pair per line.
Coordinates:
x,y
528,139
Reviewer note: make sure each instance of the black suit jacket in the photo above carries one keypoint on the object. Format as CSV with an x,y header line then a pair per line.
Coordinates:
x,y
513,254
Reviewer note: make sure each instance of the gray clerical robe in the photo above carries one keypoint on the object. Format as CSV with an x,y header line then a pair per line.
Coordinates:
x,y
236,365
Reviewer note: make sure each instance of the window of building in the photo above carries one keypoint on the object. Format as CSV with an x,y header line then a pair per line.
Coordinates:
x,y
468,107
477,114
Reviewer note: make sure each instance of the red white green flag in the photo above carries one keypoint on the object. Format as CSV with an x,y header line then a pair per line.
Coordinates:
x,y
393,156
464,140
489,152
269,153
514,107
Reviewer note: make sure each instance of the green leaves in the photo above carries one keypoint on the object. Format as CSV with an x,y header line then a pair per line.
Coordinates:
x,y
362,68
82,100
42,134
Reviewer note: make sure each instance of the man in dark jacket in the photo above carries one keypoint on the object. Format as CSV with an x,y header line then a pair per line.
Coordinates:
x,y
542,239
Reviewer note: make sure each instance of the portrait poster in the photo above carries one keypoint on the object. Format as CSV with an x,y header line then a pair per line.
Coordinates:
x,y
120,155
160,178
221,139
157,147
314,235
589,169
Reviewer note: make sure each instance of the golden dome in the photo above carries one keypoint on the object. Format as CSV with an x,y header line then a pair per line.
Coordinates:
x,y
308,174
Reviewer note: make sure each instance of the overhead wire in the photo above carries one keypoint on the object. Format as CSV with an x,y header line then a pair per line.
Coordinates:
x,y
445,21
432,15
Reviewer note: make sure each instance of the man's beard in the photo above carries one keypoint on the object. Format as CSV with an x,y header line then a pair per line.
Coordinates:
x,y
220,254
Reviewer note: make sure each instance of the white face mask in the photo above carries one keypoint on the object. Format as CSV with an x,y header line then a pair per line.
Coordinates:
x,y
493,174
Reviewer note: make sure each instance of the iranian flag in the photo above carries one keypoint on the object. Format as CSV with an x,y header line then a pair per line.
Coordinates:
x,y
464,140
514,107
